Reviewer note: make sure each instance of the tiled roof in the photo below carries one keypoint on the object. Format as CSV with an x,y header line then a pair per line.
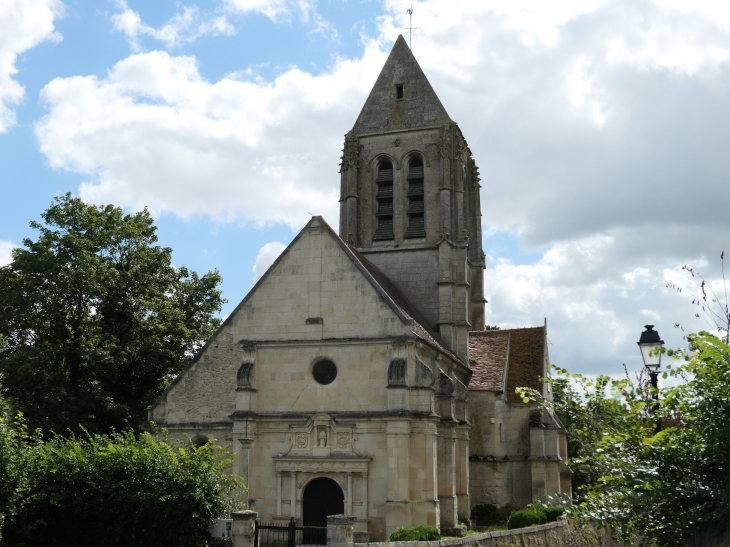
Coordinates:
x,y
487,357
420,327
523,349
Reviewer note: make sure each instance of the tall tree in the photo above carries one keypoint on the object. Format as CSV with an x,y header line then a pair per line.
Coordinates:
x,y
96,320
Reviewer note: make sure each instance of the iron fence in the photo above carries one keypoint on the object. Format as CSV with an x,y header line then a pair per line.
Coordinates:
x,y
288,534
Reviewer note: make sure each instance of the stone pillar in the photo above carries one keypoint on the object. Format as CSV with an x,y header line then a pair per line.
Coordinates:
x,y
348,506
242,530
398,506
339,531
364,495
462,473
278,492
537,462
446,478
293,495
243,467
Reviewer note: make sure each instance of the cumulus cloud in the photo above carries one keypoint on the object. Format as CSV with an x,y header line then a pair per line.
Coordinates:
x,y
5,249
23,25
282,11
266,257
595,303
184,27
155,133
600,128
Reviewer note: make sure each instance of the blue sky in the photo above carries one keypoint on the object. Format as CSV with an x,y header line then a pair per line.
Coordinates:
x,y
599,126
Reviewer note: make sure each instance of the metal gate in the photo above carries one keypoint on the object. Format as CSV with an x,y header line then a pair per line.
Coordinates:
x,y
288,535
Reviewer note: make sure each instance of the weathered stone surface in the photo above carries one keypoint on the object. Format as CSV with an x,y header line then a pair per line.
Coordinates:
x,y
557,534
390,425
419,106
339,531
242,530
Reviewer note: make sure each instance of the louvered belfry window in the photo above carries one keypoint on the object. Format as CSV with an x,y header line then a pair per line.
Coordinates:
x,y
384,197
416,225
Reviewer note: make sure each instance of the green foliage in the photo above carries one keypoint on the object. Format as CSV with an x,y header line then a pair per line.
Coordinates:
x,y
418,533
552,513
96,319
118,489
492,327
487,514
666,486
12,439
526,517
587,414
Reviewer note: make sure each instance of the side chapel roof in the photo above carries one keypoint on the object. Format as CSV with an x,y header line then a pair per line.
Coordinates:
x,y
521,351
420,106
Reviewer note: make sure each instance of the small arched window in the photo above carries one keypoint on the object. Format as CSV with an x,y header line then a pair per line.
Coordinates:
x,y
384,198
416,204
199,441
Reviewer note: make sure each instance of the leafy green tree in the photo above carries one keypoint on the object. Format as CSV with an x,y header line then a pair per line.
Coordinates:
x,y
96,319
12,440
119,489
667,486
587,413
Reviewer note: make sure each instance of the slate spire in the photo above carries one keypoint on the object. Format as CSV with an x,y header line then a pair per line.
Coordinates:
x,y
419,105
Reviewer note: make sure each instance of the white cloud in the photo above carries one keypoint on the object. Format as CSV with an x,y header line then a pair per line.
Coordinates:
x,y
5,248
23,25
600,129
183,27
596,301
155,133
282,11
273,9
266,257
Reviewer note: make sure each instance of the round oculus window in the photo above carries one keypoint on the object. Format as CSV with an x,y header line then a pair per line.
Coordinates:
x,y
325,372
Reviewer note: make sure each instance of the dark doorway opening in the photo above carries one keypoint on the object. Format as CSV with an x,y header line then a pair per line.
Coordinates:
x,y
322,497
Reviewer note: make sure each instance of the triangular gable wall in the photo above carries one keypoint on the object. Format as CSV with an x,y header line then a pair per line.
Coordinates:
x,y
317,277
420,106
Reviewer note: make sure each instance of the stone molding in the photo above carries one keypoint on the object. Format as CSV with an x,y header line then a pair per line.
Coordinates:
x,y
334,464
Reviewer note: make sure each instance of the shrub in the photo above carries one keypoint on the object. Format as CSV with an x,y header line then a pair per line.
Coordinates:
x,y
552,513
488,515
418,533
118,489
526,517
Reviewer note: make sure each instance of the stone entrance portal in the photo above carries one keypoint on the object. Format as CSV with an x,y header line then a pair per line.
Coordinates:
x,y
322,497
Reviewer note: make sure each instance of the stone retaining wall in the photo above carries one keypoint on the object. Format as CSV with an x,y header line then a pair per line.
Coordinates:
x,y
555,534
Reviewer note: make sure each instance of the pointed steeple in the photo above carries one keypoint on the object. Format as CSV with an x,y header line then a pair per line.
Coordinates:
x,y
402,97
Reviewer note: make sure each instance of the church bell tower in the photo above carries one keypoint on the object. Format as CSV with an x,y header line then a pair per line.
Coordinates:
x,y
410,199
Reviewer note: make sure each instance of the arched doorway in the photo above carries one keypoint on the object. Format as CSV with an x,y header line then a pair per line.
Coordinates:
x,y
322,497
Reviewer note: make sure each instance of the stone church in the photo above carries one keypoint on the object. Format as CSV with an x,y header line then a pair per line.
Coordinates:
x,y
356,377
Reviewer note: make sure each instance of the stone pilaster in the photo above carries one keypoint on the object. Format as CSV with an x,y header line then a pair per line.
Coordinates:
x,y
339,531
242,530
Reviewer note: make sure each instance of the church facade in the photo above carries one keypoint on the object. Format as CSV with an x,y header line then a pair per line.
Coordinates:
x,y
356,377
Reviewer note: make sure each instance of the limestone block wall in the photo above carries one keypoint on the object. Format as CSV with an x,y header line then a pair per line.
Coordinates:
x,y
498,428
500,470
554,534
414,273
316,281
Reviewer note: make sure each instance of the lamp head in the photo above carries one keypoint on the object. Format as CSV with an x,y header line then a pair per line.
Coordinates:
x,y
649,343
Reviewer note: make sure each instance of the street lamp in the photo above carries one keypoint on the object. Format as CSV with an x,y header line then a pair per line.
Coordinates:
x,y
650,345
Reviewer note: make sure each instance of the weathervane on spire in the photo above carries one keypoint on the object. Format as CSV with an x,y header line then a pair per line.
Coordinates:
x,y
410,27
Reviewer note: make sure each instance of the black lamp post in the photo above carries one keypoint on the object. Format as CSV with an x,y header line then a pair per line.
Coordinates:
x,y
650,345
